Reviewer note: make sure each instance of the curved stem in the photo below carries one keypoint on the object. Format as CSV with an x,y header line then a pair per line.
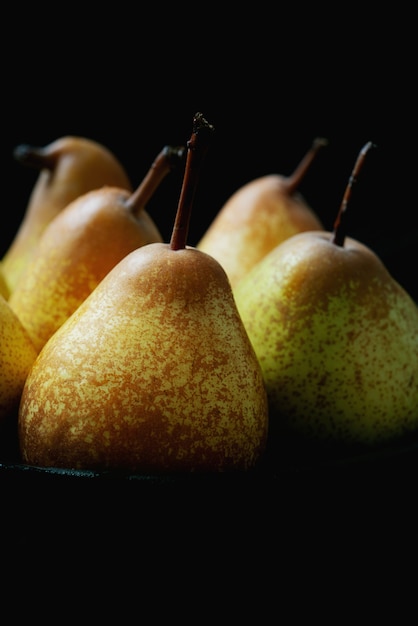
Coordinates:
x,y
165,162
197,147
339,233
294,180
38,158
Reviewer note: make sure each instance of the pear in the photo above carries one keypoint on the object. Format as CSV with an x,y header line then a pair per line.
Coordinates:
x,y
154,372
337,340
17,355
258,216
81,244
4,287
68,167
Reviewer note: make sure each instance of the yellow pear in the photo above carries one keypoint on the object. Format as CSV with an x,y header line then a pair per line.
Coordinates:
x,y
81,244
258,216
4,288
154,372
336,337
17,354
68,167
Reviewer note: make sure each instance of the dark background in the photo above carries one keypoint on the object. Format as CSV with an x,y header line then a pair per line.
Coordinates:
x,y
269,81
269,85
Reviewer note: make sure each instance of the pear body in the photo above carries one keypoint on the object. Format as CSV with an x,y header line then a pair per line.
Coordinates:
x,y
17,355
4,287
154,372
256,218
337,340
73,166
77,249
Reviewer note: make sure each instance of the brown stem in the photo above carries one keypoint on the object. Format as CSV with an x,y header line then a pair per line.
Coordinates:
x,y
165,162
197,147
37,158
339,233
294,180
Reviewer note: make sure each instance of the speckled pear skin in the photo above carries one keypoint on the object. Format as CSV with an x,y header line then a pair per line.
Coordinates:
x,y
76,250
337,340
256,218
154,372
17,355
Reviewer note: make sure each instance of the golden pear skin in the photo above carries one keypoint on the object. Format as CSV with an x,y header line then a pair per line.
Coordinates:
x,y
81,244
154,372
68,167
17,355
336,337
4,288
147,378
258,216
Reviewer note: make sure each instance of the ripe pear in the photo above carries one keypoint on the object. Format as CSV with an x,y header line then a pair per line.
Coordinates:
x,y
337,340
4,288
17,355
81,244
154,372
68,167
258,216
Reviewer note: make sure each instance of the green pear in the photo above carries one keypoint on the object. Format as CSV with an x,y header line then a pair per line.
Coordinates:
x,y
81,244
68,167
154,372
258,216
336,337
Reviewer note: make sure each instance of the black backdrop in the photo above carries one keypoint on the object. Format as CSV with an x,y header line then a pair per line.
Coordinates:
x,y
268,85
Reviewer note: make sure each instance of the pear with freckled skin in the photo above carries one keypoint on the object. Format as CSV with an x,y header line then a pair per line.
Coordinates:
x,y
17,355
81,244
258,216
336,337
68,167
154,372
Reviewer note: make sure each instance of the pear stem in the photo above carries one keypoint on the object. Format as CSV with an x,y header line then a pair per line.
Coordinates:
x,y
37,158
197,147
339,233
165,162
294,180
